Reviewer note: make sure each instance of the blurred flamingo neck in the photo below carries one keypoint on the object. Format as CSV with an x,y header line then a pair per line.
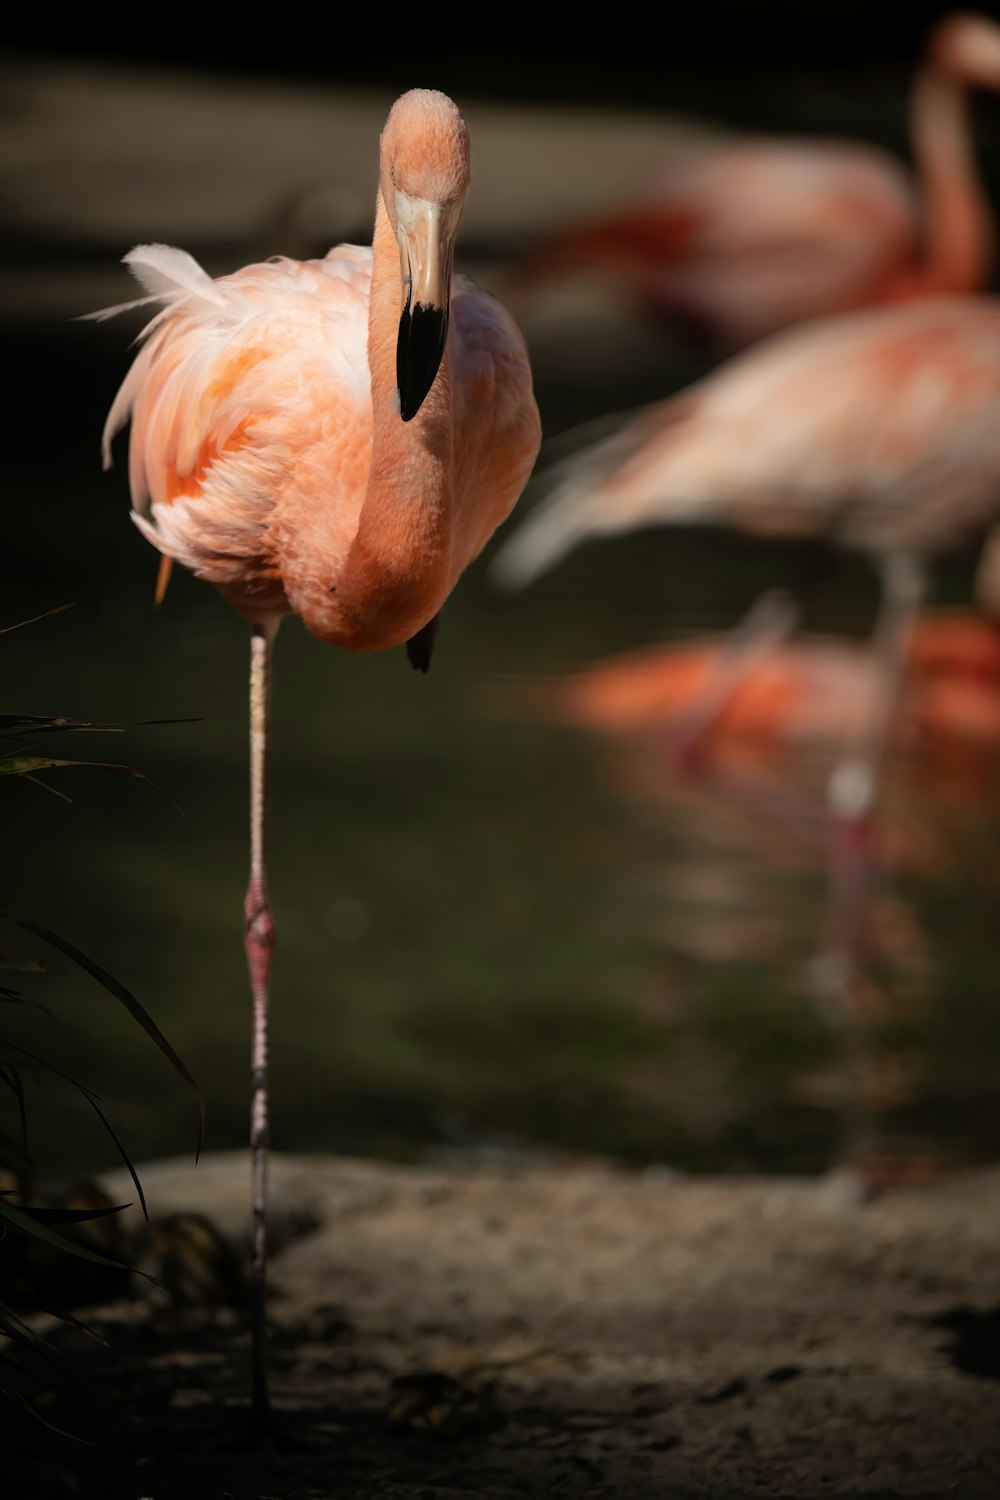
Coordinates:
x,y
396,568
958,231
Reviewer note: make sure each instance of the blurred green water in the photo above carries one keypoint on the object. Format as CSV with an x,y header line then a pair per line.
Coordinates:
x,y
470,952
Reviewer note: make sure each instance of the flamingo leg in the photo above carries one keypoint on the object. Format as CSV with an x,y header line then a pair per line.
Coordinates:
x,y
854,785
259,943
851,799
768,621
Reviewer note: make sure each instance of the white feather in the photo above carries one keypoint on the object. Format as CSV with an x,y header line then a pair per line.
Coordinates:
x,y
103,313
168,274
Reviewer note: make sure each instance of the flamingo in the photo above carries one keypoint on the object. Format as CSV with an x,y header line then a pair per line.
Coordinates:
x,y
335,439
733,871
738,239
804,698
750,815
879,430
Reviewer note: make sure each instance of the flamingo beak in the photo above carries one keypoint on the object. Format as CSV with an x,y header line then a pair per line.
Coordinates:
x,y
426,233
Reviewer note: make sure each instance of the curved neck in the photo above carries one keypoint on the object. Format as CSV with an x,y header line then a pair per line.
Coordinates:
x,y
395,568
958,231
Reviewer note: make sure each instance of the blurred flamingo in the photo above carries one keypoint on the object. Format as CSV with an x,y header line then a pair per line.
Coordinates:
x,y
738,239
721,864
744,828
808,698
333,438
879,430
749,813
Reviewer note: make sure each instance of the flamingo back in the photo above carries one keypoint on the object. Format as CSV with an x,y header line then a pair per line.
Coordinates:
x,y
252,431
878,429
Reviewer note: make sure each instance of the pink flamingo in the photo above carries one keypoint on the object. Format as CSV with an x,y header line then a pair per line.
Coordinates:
x,y
735,869
879,429
333,438
740,239
808,696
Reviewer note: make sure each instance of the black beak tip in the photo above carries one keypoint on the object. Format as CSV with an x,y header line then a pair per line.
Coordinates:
x,y
419,350
410,402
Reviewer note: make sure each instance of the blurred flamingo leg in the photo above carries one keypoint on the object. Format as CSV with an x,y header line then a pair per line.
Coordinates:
x,y
854,784
769,621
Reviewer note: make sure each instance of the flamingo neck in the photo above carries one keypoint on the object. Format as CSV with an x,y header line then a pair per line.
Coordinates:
x,y
396,571
958,231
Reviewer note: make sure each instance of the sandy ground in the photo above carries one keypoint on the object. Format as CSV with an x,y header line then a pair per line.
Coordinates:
x,y
560,1330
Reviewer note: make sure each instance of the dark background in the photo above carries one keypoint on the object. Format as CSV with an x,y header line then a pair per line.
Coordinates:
x,y
471,956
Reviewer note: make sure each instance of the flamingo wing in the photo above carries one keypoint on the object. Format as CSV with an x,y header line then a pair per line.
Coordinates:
x,y
497,429
234,381
878,428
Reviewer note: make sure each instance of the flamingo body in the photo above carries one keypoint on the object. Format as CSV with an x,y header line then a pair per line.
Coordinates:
x,y
879,430
739,239
810,693
252,443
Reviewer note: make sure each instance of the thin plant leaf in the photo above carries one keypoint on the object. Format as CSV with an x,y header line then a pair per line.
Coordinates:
x,y
131,1004
19,1399
12,1156
70,1215
44,786
95,1101
56,1310
19,1332
17,998
40,723
59,609
121,1151
10,1074
20,963
17,724
16,1329
25,1224
12,764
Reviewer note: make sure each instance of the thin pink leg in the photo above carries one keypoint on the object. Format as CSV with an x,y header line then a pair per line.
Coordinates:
x,y
765,625
852,797
259,942
855,783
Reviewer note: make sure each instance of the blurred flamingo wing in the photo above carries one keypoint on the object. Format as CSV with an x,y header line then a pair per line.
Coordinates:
x,y
879,429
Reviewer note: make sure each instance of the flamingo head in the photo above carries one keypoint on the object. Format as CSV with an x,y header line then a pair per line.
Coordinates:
x,y
966,46
423,176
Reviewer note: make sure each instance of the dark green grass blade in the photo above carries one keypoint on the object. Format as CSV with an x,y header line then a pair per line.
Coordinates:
x,y
25,1224
131,1004
70,1215
19,963
12,1156
59,609
45,724
10,1074
56,1310
95,1101
14,764
19,1399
